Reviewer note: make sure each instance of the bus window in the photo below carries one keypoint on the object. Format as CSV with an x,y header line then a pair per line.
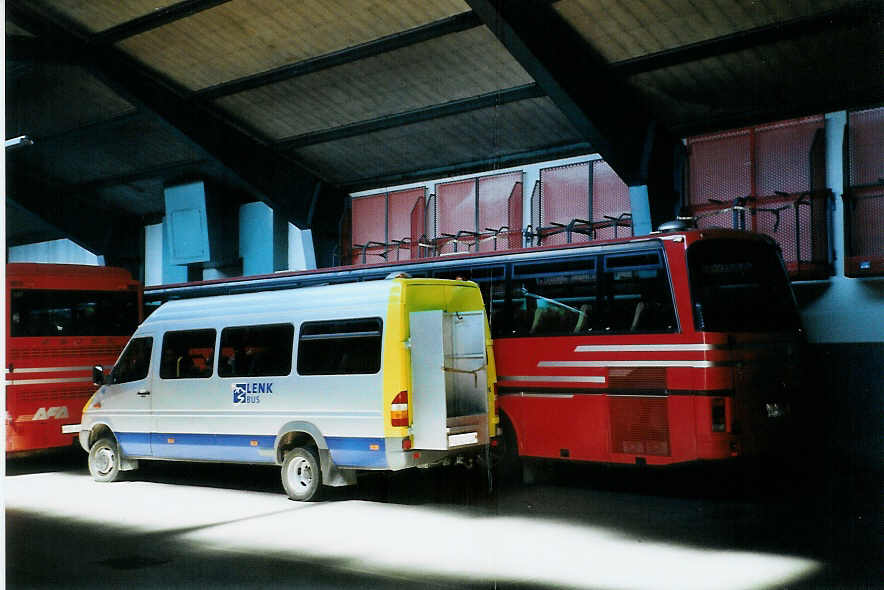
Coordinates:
x,y
638,297
491,283
43,312
188,354
554,298
256,351
134,362
340,347
739,287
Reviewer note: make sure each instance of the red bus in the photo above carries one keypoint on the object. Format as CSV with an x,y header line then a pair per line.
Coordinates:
x,y
663,349
61,320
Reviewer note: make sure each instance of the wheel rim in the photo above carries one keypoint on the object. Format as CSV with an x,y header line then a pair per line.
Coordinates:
x,y
301,474
104,460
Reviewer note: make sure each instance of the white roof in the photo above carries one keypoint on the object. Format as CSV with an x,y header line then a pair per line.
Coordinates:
x,y
348,300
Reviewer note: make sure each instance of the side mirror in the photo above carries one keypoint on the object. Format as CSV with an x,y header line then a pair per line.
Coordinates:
x,y
97,375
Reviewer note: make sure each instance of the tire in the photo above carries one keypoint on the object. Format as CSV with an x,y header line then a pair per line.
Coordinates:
x,y
104,460
506,462
301,475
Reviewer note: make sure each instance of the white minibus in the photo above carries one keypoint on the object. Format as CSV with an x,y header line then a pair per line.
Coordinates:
x,y
325,381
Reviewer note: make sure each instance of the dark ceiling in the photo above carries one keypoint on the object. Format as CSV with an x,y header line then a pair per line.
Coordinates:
x,y
299,103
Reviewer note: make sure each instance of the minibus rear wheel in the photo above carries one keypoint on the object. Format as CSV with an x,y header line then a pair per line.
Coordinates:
x,y
301,475
104,460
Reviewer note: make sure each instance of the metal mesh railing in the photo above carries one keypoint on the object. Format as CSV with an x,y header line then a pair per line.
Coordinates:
x,y
796,221
864,212
581,230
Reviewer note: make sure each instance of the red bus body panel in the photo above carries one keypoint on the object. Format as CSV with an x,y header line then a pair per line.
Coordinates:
x,y
650,396
49,379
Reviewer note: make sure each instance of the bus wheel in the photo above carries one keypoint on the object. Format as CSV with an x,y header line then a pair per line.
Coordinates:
x,y
301,476
104,460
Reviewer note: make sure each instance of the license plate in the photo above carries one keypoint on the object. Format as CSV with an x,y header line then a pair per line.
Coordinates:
x,y
467,438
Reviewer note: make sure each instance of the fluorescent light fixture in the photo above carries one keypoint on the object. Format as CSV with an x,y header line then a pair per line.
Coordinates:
x,y
19,142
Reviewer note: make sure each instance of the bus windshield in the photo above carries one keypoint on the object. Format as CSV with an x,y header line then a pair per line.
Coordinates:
x,y
739,286
43,312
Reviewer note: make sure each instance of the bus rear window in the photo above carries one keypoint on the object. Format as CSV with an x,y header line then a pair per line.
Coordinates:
x,y
340,347
43,312
739,286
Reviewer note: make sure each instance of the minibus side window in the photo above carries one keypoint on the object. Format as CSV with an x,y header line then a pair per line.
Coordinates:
x,y
133,364
256,351
340,347
188,354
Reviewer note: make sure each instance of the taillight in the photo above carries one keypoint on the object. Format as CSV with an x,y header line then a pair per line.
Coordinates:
x,y
399,409
719,415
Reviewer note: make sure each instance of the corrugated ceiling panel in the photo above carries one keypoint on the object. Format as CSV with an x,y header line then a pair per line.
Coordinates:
x,y
452,67
136,146
456,66
743,87
487,133
244,37
98,15
46,99
630,28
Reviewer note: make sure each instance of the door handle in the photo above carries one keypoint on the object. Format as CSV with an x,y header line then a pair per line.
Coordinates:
x,y
143,392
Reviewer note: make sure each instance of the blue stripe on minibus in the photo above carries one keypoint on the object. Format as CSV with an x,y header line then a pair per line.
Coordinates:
x,y
345,451
134,444
213,447
357,452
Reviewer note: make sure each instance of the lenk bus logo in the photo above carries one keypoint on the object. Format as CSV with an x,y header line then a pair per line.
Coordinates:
x,y
250,393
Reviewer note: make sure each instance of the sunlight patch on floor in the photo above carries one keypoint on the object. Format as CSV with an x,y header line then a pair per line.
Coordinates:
x,y
455,544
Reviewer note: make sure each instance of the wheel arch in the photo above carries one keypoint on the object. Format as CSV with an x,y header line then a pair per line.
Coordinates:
x,y
299,434
99,431
103,430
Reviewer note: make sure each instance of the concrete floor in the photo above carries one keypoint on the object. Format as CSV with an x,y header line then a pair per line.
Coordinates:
x,y
172,525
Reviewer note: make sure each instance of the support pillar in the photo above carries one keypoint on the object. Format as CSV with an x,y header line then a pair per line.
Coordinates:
x,y
836,124
263,240
153,254
641,210
301,255
171,273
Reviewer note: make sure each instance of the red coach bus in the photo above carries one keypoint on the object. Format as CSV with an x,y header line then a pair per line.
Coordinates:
x,y
662,349
61,319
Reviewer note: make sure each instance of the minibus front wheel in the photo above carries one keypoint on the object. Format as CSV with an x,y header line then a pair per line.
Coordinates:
x,y
301,474
104,460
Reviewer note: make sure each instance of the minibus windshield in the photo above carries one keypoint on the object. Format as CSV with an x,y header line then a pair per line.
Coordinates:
x,y
739,286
